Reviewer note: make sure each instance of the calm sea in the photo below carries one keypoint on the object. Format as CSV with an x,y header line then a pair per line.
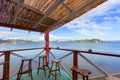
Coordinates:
x,y
109,64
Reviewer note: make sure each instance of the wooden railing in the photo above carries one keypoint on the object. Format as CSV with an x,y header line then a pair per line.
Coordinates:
x,y
6,63
76,53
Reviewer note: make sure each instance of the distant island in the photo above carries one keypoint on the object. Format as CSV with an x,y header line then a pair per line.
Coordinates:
x,y
91,40
82,40
14,41
18,41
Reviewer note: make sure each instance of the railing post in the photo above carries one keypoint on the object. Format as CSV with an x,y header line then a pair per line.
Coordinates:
x,y
6,67
46,35
75,64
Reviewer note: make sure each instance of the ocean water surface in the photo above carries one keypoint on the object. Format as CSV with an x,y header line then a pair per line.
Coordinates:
x,y
109,64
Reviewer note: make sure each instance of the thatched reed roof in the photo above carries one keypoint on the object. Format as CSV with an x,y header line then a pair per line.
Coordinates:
x,y
42,15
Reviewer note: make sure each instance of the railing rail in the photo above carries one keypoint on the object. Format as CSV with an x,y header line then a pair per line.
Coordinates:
x,y
78,52
75,53
7,53
87,52
21,49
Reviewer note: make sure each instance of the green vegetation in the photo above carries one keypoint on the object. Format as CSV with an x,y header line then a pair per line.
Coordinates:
x,y
17,41
91,40
85,40
14,41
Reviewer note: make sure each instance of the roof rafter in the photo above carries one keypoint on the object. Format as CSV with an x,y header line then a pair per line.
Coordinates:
x,y
31,21
66,6
70,14
17,9
57,3
33,9
94,3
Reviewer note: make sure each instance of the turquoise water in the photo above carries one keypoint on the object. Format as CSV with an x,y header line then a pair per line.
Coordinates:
x,y
109,64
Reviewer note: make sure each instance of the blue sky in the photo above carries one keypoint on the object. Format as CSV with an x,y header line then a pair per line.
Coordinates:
x,y
103,22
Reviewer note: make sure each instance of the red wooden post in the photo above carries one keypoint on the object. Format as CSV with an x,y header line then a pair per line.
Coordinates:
x,y
47,45
6,67
75,64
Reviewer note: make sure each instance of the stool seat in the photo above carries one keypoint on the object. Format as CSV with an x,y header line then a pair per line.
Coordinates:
x,y
42,56
26,59
85,73
55,61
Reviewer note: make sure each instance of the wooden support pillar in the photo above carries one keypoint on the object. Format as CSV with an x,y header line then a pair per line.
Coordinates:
x,y
75,64
47,45
6,67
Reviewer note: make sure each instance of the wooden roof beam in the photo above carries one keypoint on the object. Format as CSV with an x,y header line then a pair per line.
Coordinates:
x,y
94,3
31,21
70,14
33,9
19,27
66,6
56,4
17,9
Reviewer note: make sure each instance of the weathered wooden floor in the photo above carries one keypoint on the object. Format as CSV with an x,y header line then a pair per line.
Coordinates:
x,y
40,76
64,76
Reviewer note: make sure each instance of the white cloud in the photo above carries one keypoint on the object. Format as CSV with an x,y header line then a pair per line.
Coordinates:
x,y
102,9
88,28
89,24
6,34
15,35
53,38
27,36
93,33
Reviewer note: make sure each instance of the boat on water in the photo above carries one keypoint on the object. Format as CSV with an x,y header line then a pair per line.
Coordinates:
x,y
44,16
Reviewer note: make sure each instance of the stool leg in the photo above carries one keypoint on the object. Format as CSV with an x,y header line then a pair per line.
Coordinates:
x,y
59,69
86,77
20,70
44,66
83,77
30,68
56,71
31,76
50,70
38,65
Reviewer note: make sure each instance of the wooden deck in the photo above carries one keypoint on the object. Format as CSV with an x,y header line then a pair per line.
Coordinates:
x,y
64,76
104,78
40,76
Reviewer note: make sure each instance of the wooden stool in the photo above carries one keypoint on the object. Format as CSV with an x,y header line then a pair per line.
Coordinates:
x,y
83,72
57,68
42,67
29,70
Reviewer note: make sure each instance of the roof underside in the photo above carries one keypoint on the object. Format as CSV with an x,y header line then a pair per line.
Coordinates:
x,y
42,15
